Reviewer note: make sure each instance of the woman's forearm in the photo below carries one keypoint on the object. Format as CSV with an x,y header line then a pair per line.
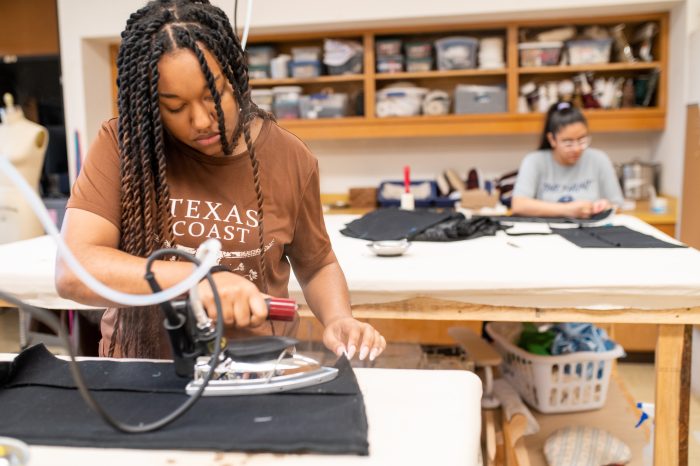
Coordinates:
x,y
326,294
117,270
526,206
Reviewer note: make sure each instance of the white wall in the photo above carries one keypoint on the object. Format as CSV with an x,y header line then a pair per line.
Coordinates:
x,y
363,163
86,28
671,145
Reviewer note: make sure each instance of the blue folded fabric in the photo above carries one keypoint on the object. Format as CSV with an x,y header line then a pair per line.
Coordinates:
x,y
575,337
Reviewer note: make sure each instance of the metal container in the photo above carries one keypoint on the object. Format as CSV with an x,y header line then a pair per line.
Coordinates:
x,y
638,178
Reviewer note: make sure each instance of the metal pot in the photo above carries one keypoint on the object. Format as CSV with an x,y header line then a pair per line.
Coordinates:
x,y
637,178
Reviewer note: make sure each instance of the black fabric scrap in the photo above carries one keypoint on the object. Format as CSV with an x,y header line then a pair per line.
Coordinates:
x,y
393,224
460,228
41,405
612,237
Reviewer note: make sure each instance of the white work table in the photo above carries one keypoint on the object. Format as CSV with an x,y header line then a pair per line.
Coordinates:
x,y
541,279
414,417
545,271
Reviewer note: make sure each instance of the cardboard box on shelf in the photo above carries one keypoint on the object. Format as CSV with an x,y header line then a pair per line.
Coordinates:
x,y
478,198
362,197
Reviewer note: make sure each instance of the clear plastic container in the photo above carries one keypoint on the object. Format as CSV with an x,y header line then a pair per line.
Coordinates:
x,y
263,98
388,47
456,53
306,69
390,64
323,105
310,53
286,102
417,65
260,55
419,49
400,101
589,51
540,53
259,71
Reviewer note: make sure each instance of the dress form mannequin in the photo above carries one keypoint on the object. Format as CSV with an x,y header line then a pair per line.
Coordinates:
x,y
24,144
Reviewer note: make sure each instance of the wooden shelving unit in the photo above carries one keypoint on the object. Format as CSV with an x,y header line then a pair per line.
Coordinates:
x,y
512,76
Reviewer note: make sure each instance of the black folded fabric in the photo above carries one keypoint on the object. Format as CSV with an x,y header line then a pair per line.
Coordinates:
x,y
612,237
581,221
393,224
459,228
40,404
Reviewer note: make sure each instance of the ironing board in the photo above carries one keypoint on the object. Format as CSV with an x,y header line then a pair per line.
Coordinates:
x,y
414,417
500,278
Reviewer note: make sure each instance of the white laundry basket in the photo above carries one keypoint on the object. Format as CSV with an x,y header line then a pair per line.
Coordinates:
x,y
554,384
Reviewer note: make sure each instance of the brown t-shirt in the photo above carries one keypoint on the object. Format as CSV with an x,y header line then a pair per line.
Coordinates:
x,y
214,197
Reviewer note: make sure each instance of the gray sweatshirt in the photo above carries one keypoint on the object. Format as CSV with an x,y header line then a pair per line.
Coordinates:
x,y
591,178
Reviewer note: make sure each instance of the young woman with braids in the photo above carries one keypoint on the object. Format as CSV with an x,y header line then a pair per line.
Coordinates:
x,y
190,157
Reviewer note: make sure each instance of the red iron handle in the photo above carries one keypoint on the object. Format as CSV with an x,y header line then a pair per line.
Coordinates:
x,y
281,309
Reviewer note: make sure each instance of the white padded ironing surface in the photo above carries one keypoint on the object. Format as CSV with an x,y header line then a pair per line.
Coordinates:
x,y
414,416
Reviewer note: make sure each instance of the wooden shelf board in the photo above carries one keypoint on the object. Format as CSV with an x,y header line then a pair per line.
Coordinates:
x,y
637,66
343,78
438,74
461,125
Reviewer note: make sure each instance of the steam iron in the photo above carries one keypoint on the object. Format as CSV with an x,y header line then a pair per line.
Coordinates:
x,y
257,366
251,366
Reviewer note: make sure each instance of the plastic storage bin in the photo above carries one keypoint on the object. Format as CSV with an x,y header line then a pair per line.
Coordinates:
x,y
419,49
417,65
589,52
470,98
286,101
553,384
259,55
390,64
540,53
263,98
323,105
306,69
385,47
456,53
400,101
310,53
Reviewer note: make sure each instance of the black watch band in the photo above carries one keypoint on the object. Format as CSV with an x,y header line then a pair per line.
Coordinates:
x,y
219,268
216,269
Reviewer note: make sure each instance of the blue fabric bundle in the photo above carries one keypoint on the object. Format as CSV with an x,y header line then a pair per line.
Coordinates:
x,y
575,337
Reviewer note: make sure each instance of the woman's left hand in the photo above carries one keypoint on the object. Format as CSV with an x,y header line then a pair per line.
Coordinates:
x,y
600,205
348,335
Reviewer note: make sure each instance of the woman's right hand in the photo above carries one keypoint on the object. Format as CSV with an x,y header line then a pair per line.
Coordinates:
x,y
243,305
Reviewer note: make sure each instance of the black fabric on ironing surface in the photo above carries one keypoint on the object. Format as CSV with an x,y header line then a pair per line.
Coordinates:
x,y
581,221
393,224
612,237
40,405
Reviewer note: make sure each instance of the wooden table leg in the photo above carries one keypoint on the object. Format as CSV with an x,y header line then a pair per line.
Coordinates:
x,y
672,395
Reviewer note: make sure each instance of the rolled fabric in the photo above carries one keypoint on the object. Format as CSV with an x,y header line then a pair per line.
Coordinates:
x,y
512,404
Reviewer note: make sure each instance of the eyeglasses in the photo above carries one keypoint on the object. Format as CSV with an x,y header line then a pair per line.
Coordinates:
x,y
583,143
